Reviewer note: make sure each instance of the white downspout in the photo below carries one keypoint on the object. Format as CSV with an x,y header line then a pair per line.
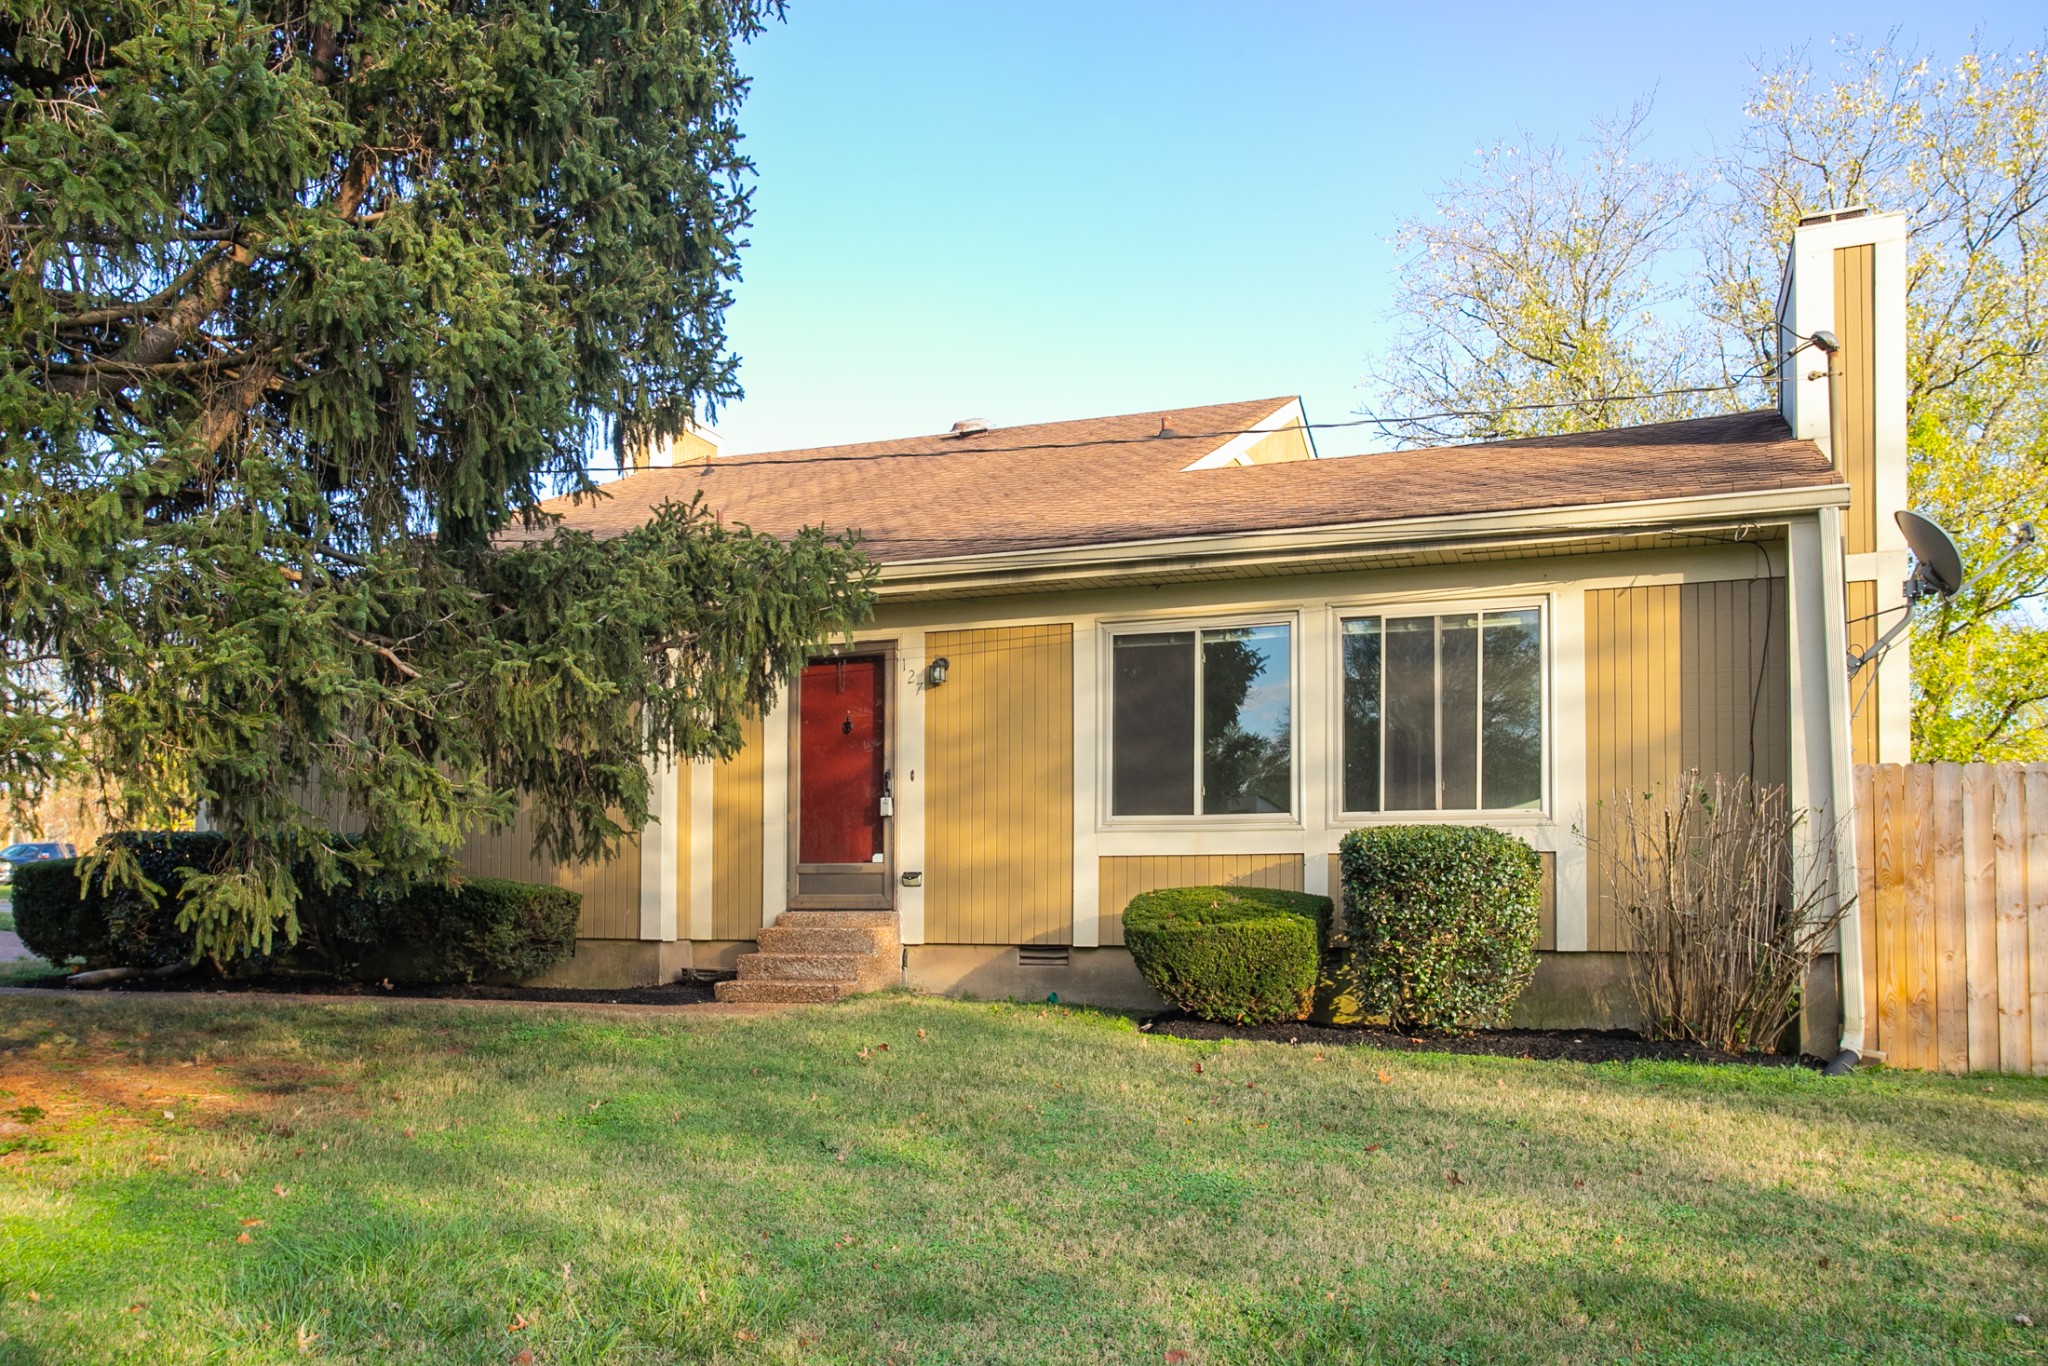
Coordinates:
x,y
1841,809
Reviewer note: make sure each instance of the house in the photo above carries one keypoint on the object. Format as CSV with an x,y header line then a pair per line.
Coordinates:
x,y
1176,647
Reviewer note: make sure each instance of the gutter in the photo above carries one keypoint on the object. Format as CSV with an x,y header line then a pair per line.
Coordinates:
x,y
1059,565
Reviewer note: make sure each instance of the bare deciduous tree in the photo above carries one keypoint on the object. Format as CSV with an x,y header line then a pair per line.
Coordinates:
x,y
1724,905
1538,281
1544,280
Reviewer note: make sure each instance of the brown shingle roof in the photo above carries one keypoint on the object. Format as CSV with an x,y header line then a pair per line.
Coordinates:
x,y
1117,480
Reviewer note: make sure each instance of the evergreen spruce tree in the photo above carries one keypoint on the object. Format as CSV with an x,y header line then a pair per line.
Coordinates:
x,y
306,307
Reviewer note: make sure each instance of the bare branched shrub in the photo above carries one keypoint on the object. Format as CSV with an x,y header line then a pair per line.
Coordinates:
x,y
1724,904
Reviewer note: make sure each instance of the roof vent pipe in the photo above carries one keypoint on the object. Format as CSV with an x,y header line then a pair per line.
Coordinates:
x,y
972,426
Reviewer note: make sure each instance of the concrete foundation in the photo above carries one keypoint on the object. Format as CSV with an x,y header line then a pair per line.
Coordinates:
x,y
1570,991
1096,977
619,963
1578,991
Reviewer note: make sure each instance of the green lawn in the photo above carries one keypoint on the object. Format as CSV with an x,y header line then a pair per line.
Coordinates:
x,y
913,1180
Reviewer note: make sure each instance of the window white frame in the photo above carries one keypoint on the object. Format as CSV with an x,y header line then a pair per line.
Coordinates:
x,y
1105,691
1340,612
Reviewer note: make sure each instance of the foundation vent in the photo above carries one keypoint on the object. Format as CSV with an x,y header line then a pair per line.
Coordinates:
x,y
1044,955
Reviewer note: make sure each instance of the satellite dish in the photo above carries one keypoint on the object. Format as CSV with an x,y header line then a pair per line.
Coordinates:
x,y
1937,564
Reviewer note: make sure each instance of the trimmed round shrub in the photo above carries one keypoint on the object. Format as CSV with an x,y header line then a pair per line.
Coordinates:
x,y
51,915
1246,955
1443,922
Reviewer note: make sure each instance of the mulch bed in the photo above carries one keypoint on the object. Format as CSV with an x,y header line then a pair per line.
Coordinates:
x,y
1552,1045
687,992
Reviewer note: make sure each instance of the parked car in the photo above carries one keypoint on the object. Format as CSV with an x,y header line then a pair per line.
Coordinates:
x,y
32,851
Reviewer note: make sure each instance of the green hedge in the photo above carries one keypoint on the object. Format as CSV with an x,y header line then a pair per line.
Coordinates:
x,y
52,919
1443,922
479,929
1246,955
484,929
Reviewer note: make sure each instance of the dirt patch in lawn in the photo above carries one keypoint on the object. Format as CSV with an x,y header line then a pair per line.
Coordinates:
x,y
40,1095
1555,1045
688,992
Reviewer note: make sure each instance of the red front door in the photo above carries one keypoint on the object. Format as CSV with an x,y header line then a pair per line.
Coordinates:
x,y
840,762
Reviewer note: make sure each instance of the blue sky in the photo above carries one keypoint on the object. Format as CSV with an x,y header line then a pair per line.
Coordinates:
x,y
1026,212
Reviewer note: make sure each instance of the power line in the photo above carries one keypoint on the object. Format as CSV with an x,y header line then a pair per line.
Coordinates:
x,y
1167,433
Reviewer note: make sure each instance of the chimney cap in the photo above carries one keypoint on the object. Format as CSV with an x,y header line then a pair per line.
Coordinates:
x,y
970,426
1835,215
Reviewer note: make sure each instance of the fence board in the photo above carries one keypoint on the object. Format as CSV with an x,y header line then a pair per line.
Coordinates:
x,y
1980,915
2010,838
2037,915
1952,895
1952,1003
1916,820
1889,874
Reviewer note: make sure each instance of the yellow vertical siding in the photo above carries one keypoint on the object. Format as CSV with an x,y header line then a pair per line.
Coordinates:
x,y
736,839
1672,683
1546,910
611,890
1122,878
1288,444
1864,687
1855,391
1727,673
999,787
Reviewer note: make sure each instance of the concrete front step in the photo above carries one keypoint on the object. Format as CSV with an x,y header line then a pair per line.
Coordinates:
x,y
819,956
808,967
782,937
838,919
759,991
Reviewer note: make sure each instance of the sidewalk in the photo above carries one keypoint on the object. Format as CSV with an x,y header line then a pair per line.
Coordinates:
x,y
695,1009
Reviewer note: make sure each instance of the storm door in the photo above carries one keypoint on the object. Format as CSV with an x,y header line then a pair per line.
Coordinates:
x,y
842,784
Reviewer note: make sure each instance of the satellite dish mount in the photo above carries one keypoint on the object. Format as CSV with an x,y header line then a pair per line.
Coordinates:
x,y
1937,573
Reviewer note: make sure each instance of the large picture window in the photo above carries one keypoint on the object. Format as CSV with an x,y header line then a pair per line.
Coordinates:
x,y
1443,712
1201,722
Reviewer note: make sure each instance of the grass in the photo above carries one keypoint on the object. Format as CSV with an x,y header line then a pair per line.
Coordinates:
x,y
15,972
915,1180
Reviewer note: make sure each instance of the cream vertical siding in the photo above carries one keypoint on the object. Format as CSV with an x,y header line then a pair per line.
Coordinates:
x,y
737,833
1124,877
610,890
999,787
679,831
1855,391
1678,676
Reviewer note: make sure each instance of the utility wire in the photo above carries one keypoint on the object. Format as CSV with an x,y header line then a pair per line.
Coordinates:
x,y
1168,433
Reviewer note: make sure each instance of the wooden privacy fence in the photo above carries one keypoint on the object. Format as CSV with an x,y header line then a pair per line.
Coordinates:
x,y
1953,865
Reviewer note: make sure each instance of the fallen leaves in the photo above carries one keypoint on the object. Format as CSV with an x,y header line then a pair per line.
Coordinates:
x,y
520,1323
1385,1078
1451,1178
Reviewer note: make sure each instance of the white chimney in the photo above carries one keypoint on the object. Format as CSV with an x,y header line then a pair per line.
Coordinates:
x,y
1841,355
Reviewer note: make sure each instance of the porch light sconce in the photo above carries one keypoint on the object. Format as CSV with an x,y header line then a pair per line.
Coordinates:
x,y
935,673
